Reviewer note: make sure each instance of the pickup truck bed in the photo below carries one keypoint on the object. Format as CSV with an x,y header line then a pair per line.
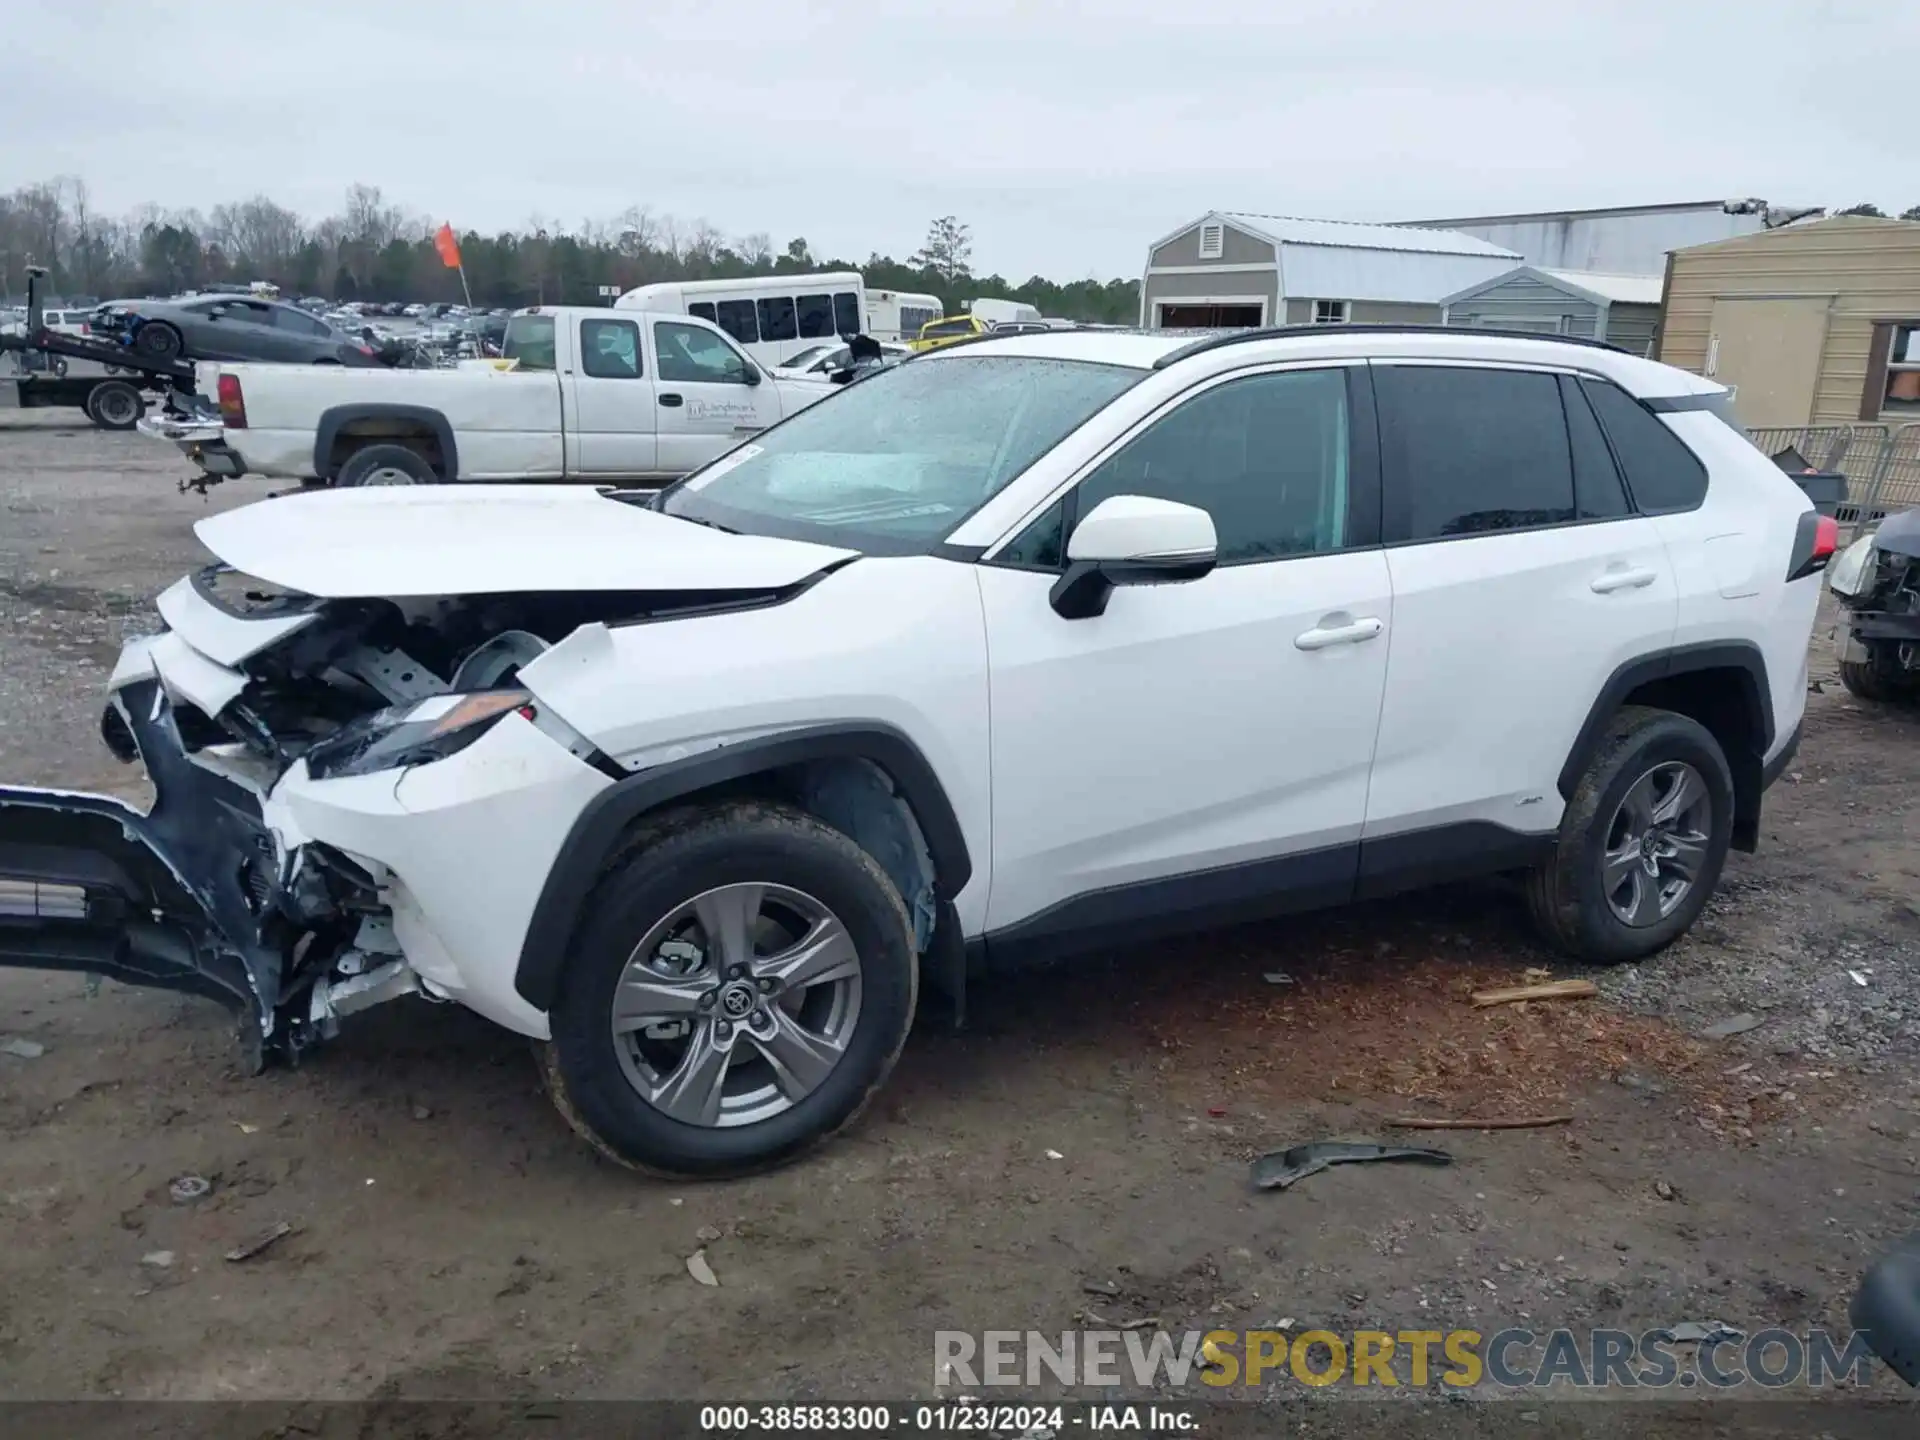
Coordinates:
x,y
582,394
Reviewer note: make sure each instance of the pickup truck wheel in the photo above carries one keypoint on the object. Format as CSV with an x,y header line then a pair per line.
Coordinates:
x,y
742,983
385,465
1642,841
115,405
158,340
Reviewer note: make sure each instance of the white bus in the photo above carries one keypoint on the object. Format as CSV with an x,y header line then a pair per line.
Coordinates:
x,y
899,314
772,316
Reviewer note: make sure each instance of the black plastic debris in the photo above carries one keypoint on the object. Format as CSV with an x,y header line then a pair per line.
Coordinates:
x,y
1281,1168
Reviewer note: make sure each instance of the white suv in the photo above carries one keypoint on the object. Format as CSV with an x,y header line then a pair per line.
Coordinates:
x,y
1027,645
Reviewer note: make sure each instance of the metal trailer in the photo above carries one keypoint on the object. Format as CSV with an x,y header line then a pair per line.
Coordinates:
x,y
113,401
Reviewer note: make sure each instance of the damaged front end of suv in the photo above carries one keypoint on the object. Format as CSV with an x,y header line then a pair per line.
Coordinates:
x,y
394,725
1877,580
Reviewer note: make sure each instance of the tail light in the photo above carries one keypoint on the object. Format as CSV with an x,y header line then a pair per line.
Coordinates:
x,y
233,404
1814,542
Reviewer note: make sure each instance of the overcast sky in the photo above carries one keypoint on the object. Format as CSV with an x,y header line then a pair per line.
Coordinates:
x,y
1067,133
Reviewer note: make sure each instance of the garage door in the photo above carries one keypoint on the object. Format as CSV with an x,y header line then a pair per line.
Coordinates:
x,y
1211,315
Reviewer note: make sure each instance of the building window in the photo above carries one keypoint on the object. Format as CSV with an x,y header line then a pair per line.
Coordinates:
x,y
1330,312
1902,396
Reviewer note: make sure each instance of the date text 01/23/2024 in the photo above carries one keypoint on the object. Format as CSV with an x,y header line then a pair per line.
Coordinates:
x,y
957,1416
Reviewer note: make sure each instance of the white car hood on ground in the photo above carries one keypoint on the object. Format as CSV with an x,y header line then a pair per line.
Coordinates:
x,y
491,539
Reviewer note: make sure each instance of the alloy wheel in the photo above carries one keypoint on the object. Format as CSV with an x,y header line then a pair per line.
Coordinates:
x,y
1657,843
737,1005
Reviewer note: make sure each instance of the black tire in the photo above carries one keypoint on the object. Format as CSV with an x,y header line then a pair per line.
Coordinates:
x,y
1567,895
1879,677
115,405
385,461
669,861
157,340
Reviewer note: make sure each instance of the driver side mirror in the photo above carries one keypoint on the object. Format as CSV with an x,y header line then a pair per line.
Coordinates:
x,y
1132,540
753,373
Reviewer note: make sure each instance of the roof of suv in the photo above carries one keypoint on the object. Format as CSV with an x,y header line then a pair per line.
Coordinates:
x,y
1228,349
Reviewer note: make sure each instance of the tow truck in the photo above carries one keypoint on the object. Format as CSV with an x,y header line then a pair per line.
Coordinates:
x,y
115,400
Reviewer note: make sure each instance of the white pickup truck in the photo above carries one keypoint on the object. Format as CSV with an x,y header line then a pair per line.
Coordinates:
x,y
579,394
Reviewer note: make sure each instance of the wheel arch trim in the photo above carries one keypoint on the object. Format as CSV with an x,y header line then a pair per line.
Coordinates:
x,y
598,828
333,420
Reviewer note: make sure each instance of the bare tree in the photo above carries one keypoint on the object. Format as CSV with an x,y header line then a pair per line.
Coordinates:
x,y
756,249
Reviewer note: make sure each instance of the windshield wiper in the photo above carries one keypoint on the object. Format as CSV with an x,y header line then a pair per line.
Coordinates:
x,y
710,524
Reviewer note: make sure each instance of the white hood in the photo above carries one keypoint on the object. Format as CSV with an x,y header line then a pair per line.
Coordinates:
x,y
395,541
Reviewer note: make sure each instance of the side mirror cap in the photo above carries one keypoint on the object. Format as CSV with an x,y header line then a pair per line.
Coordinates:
x,y
1132,540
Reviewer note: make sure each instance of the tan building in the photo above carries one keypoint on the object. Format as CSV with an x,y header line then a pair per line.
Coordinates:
x,y
1814,324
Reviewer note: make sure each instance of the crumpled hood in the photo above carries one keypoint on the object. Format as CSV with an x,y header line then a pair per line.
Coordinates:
x,y
400,541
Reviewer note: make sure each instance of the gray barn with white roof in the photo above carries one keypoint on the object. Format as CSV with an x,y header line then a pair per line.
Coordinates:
x,y
1232,268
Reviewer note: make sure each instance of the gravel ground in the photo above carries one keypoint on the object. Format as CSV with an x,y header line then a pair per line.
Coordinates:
x,y
1090,1128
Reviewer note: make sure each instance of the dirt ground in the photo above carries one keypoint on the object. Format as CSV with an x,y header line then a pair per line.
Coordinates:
x,y
1090,1128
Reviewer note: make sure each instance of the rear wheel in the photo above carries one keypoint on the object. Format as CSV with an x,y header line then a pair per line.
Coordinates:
x,y
742,984
115,405
158,340
1642,842
385,465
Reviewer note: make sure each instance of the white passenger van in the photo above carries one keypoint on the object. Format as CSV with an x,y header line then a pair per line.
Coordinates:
x,y
774,317
897,315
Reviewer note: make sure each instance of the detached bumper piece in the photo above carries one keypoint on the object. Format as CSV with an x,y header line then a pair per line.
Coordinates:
x,y
85,885
178,898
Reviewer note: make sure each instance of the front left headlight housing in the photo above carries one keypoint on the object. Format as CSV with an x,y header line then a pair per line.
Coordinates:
x,y
1851,572
405,735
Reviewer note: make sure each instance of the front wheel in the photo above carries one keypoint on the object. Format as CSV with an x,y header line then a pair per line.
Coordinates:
x,y
1642,842
1880,676
742,984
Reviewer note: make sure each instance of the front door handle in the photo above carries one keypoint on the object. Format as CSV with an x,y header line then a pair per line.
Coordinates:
x,y
1350,632
1623,578
670,398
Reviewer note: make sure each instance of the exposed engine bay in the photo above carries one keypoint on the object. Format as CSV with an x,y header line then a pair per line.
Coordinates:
x,y
216,890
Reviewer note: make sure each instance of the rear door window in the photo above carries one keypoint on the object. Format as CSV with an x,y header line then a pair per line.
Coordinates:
x,y
610,349
1663,474
530,341
1468,451
846,313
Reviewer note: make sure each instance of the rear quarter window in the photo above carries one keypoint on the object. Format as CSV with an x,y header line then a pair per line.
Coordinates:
x,y
1664,476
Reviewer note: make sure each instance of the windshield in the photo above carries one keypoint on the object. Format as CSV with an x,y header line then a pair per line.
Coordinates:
x,y
892,464
805,357
961,326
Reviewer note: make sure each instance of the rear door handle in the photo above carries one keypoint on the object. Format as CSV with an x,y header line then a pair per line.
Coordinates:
x,y
670,398
1352,632
1623,578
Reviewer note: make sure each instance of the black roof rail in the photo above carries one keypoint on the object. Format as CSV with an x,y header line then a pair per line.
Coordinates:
x,y
1282,332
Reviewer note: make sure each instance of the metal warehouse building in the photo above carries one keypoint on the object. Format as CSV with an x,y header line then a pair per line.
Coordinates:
x,y
1624,240
1231,268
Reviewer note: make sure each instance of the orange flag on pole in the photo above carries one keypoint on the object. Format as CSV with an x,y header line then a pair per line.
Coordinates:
x,y
448,247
